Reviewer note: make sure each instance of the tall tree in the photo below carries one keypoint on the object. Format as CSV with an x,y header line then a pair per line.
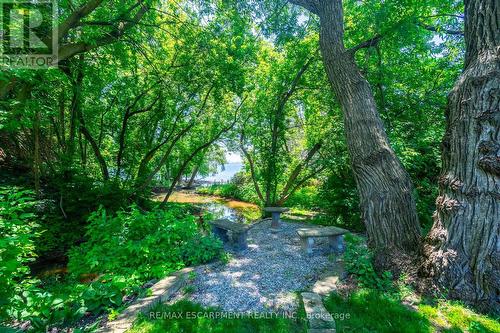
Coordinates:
x,y
463,246
281,139
385,189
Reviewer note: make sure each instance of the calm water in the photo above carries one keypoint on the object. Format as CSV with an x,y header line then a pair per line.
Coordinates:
x,y
233,210
225,173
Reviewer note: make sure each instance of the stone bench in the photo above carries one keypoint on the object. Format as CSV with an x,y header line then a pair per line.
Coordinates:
x,y
275,213
335,236
239,232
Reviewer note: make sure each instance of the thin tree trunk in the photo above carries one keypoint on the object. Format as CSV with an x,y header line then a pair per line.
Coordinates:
x,y
97,152
78,114
36,153
285,194
196,152
193,176
277,120
463,247
386,201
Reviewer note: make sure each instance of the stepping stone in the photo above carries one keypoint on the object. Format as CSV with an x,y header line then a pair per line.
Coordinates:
x,y
320,320
328,281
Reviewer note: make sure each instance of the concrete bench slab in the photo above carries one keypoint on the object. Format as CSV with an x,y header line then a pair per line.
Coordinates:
x,y
334,234
239,232
275,213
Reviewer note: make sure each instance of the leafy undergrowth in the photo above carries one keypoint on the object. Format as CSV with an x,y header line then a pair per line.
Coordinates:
x,y
378,304
189,317
124,254
231,191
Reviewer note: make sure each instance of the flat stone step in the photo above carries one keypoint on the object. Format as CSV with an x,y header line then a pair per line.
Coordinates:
x,y
319,318
328,281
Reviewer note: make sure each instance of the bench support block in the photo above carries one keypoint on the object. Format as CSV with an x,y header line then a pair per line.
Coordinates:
x,y
275,223
240,241
220,233
337,243
307,244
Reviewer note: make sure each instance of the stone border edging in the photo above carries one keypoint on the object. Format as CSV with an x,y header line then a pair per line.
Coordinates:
x,y
160,292
319,319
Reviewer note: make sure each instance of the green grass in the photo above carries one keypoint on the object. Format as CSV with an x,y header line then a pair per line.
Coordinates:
x,y
203,324
371,311
374,311
455,317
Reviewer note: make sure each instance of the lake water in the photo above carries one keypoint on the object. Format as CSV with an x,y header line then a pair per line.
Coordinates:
x,y
224,173
234,210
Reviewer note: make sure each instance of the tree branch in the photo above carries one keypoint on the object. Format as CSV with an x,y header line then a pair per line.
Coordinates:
x,y
310,5
198,150
298,169
70,50
76,16
441,30
252,167
367,43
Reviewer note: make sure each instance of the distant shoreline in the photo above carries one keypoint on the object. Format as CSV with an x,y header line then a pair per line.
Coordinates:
x,y
230,169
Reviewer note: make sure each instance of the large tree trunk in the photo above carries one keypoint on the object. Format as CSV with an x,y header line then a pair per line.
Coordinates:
x,y
463,247
387,205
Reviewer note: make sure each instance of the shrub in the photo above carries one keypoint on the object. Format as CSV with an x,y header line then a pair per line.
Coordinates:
x,y
123,252
18,231
358,261
147,244
305,197
339,201
69,200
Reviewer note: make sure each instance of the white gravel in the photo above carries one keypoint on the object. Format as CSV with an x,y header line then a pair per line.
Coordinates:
x,y
266,276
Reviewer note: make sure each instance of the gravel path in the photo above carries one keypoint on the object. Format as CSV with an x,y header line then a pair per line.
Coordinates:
x,y
266,276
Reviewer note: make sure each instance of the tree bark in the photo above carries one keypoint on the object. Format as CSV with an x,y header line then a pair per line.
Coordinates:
x,y
386,201
463,246
193,176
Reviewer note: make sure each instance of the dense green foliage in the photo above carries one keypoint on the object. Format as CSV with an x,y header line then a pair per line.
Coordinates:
x,y
150,244
18,231
359,262
123,252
